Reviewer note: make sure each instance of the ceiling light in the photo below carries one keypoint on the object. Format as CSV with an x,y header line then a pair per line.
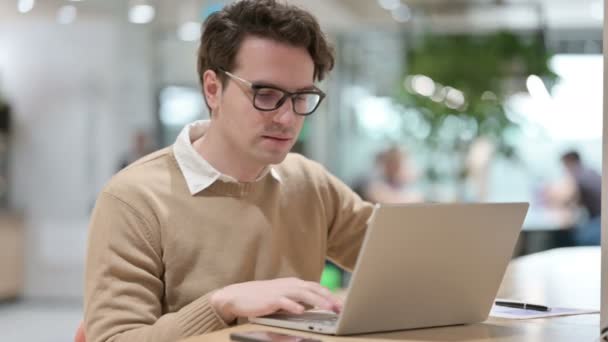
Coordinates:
x,y
66,14
389,4
402,14
440,93
24,6
141,14
454,99
423,85
189,31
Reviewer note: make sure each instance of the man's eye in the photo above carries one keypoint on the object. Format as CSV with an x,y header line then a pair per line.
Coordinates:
x,y
269,94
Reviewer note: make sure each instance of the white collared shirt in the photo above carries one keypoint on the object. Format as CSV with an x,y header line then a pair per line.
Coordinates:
x,y
197,171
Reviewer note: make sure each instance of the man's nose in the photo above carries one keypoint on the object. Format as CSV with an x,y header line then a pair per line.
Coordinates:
x,y
285,114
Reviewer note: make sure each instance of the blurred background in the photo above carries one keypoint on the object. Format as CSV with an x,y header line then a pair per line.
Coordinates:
x,y
430,100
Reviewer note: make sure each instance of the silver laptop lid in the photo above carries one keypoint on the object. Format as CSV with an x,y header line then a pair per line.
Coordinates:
x,y
426,265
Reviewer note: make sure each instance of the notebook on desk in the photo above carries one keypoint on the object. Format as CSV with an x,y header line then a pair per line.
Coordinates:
x,y
422,265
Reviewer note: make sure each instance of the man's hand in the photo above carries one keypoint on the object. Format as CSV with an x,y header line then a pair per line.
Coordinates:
x,y
259,298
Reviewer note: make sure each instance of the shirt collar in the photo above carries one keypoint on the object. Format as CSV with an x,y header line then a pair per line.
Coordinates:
x,y
197,171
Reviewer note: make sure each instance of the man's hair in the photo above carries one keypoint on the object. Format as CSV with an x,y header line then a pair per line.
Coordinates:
x,y
571,156
225,30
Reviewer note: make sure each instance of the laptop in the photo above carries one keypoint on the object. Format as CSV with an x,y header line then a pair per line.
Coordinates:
x,y
422,265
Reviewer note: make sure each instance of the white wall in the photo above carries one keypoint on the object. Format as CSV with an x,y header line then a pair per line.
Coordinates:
x,y
78,92
177,60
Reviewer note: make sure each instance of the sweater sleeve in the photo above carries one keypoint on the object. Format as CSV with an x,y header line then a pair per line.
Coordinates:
x,y
124,286
348,215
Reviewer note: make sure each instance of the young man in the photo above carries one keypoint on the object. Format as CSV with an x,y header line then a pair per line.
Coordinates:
x,y
226,224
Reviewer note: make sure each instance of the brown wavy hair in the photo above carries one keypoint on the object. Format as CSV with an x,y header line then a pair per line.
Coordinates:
x,y
224,31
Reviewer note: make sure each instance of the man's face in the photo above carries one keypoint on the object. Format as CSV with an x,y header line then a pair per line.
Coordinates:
x,y
260,137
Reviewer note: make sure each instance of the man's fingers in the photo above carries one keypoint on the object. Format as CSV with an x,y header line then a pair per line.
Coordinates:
x,y
311,298
326,294
290,306
318,288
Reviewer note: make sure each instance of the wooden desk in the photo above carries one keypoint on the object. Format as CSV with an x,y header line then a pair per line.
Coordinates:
x,y
561,277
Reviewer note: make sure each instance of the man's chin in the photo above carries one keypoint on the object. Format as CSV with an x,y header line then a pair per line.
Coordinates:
x,y
271,158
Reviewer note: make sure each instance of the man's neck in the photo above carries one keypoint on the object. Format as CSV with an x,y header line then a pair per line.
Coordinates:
x,y
224,158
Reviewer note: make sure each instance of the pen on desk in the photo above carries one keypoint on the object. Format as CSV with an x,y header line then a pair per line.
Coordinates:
x,y
524,306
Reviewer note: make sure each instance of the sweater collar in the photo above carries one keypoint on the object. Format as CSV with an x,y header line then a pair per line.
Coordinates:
x,y
197,171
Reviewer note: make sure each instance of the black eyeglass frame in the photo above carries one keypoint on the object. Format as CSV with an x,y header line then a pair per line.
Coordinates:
x,y
286,94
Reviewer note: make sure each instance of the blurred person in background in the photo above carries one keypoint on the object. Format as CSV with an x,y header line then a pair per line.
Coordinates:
x,y
226,223
392,180
582,187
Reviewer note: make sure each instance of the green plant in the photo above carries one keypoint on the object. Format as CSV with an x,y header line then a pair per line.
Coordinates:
x,y
478,72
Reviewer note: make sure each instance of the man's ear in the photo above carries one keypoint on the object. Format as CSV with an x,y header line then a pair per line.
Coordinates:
x,y
212,89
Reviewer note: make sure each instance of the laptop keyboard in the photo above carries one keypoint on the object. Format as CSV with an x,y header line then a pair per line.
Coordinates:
x,y
309,317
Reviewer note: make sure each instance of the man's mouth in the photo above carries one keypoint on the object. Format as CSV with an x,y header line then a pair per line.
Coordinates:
x,y
277,138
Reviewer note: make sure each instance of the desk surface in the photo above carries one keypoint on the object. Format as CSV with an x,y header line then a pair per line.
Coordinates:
x,y
563,277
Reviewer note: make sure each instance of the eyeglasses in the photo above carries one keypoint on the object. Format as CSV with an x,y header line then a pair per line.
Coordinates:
x,y
268,98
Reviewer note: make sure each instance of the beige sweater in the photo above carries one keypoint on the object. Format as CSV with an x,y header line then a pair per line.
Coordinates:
x,y
156,252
